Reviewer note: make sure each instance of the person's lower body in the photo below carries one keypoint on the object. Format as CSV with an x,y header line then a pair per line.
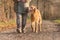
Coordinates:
x,y
18,20
18,17
24,19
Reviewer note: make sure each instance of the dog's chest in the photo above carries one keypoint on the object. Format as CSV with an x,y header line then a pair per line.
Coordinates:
x,y
34,17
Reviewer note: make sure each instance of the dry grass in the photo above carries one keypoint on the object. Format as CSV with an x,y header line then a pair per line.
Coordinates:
x,y
8,25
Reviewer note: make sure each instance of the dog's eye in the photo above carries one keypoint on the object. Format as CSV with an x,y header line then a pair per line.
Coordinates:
x,y
32,7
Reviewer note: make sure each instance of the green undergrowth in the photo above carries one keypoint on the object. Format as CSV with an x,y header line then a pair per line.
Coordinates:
x,y
57,21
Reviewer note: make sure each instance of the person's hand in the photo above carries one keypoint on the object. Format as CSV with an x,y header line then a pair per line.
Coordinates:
x,y
18,0
22,0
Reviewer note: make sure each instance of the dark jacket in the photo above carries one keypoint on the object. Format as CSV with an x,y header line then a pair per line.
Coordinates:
x,y
21,7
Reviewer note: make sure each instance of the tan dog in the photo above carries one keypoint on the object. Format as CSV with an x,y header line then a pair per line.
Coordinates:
x,y
35,19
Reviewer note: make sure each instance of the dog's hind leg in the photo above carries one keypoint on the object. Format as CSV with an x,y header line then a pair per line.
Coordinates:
x,y
40,25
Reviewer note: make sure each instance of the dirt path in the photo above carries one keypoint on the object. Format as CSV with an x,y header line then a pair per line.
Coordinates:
x,y
50,31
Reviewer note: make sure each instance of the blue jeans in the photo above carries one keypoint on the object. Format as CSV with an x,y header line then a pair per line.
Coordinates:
x,y
24,18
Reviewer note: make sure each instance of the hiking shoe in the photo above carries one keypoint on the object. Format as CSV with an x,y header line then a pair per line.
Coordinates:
x,y
18,31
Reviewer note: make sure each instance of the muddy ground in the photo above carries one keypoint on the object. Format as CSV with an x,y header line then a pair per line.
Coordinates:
x,y
50,31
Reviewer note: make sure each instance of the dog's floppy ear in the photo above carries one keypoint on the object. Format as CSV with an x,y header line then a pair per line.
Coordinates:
x,y
34,9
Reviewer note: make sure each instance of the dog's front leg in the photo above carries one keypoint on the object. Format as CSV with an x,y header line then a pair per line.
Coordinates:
x,y
37,27
33,26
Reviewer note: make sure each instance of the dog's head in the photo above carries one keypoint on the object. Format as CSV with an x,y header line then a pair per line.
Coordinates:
x,y
32,8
